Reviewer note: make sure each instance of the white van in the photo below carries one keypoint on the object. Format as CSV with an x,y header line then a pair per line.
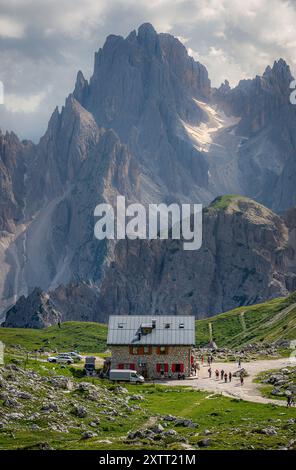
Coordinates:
x,y
125,375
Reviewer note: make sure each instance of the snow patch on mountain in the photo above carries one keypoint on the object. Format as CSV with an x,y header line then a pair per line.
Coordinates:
x,y
203,135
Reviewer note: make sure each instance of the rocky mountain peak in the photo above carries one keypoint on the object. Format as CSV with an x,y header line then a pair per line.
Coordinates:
x,y
53,121
146,30
34,311
144,66
148,126
147,36
278,77
247,208
280,69
224,87
81,88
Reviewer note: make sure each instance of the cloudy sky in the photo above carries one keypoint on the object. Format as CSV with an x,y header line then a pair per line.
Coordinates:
x,y
43,43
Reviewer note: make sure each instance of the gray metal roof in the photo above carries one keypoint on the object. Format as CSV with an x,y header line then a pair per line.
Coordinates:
x,y
125,329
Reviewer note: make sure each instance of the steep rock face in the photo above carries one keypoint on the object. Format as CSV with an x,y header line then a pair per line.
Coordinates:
x,y
69,140
290,221
79,302
35,311
266,154
248,255
15,156
244,259
59,243
12,170
140,74
142,87
76,166
261,100
120,134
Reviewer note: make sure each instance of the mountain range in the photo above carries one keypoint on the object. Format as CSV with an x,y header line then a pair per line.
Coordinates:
x,y
148,125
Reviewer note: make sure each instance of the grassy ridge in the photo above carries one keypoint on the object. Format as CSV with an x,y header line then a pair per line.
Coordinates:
x,y
82,336
266,322
223,202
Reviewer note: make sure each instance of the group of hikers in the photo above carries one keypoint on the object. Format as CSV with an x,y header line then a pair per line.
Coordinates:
x,y
227,377
224,376
219,374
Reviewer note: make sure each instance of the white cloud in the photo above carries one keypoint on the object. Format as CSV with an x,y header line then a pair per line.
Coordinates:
x,y
23,104
10,28
43,44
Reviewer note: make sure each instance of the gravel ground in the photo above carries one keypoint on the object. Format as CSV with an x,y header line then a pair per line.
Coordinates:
x,y
250,391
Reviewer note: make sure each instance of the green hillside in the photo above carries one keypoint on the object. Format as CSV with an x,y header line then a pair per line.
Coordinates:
x,y
81,336
223,202
266,322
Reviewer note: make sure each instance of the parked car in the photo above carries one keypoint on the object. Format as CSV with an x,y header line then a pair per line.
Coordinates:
x,y
75,356
61,359
51,359
125,375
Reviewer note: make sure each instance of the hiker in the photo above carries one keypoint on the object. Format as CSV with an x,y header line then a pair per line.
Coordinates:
x,y
210,372
222,374
230,376
217,374
289,401
197,368
239,362
225,377
202,360
59,324
241,379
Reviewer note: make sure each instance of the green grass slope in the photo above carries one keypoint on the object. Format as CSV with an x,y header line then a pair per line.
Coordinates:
x,y
82,336
218,418
266,322
223,202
